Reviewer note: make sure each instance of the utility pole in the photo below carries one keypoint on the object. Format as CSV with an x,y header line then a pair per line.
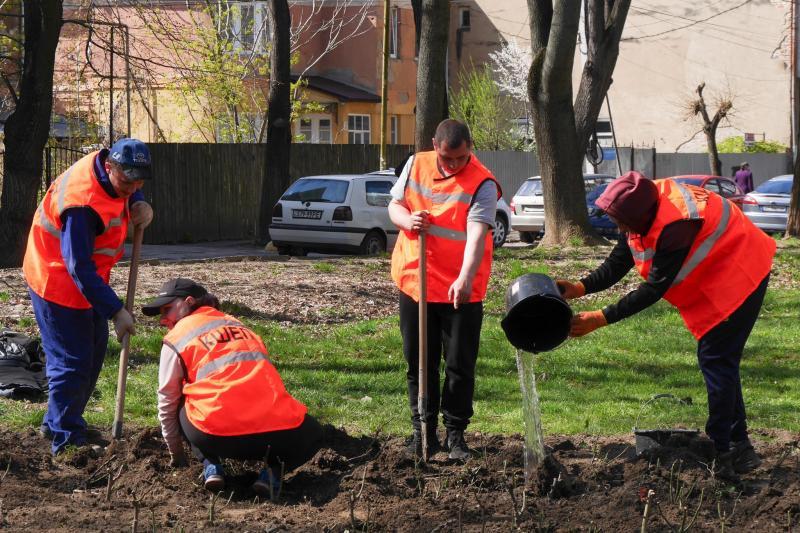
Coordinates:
x,y
385,81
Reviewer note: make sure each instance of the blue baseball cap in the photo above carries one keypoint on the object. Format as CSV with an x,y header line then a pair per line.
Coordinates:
x,y
134,158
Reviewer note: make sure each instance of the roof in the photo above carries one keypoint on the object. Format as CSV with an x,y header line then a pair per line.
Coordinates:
x,y
343,91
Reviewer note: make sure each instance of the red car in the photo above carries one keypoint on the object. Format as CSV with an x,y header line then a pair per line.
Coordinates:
x,y
725,187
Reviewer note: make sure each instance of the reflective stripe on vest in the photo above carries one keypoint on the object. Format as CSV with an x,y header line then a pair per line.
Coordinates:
x,y
448,201
727,260
232,358
703,250
231,387
44,267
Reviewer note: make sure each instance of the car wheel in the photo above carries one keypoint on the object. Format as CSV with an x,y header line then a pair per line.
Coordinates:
x,y
298,250
283,249
373,243
500,231
526,236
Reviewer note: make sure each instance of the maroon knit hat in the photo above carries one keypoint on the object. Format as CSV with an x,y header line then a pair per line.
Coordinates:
x,y
631,199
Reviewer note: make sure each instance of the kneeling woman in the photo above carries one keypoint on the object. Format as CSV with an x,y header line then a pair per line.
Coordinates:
x,y
217,387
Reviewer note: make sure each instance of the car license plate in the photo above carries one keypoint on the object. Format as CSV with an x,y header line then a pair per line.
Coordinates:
x,y
307,213
530,209
774,208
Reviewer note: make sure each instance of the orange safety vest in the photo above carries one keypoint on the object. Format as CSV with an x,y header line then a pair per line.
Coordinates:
x,y
448,200
231,387
725,264
43,265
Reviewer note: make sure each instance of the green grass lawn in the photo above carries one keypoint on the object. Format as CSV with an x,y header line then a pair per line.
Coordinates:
x,y
353,375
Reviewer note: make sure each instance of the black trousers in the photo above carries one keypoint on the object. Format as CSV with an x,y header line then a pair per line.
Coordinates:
x,y
292,447
456,333
719,353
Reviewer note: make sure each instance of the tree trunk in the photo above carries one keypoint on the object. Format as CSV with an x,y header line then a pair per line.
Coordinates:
x,y
416,7
713,154
27,129
432,71
553,33
279,132
602,49
793,224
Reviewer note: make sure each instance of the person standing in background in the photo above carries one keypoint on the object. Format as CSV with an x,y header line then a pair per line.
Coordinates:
x,y
744,178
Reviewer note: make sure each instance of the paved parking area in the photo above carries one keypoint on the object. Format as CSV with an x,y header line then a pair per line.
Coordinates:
x,y
234,249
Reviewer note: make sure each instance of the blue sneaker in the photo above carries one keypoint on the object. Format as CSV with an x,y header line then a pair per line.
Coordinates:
x,y
266,478
213,479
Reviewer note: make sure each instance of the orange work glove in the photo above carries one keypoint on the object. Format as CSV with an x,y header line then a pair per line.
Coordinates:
x,y
586,322
570,290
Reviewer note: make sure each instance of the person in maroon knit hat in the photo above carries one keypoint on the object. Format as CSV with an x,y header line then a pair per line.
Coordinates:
x,y
699,252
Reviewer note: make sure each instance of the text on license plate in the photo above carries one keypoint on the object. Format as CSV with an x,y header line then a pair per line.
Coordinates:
x,y
774,208
307,213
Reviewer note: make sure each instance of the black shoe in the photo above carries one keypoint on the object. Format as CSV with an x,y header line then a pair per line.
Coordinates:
x,y
415,446
745,458
459,451
723,466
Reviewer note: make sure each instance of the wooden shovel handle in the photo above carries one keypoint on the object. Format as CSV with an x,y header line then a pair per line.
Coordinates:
x,y
422,396
122,376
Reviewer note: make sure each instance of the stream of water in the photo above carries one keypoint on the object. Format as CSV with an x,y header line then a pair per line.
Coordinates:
x,y
534,438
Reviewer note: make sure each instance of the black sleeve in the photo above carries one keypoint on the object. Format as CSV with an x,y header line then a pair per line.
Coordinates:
x,y
672,248
613,269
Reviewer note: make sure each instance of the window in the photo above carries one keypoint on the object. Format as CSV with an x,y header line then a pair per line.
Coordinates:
x,y
379,193
394,27
324,131
314,129
305,129
394,130
358,129
463,18
249,26
317,190
728,188
713,186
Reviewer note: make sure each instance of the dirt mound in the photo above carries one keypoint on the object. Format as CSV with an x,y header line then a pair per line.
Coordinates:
x,y
362,483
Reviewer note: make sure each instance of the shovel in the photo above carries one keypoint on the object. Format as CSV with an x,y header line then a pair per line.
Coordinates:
x,y
122,377
422,395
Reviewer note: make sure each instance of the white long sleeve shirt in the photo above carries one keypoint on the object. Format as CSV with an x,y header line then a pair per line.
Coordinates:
x,y
170,393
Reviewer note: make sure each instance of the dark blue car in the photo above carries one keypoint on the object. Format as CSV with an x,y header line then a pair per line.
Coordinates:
x,y
597,217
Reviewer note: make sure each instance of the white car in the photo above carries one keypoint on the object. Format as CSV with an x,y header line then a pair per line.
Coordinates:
x,y
502,221
338,213
346,213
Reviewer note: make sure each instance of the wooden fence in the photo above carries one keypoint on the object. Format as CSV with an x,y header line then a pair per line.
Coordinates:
x,y
206,192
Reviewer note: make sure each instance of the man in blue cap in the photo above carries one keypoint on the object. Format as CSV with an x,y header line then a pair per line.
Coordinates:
x,y
77,236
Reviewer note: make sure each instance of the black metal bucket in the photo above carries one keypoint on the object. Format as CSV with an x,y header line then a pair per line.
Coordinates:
x,y
537,317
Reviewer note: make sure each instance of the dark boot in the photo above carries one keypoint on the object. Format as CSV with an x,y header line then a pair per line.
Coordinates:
x,y
723,466
415,446
745,458
457,446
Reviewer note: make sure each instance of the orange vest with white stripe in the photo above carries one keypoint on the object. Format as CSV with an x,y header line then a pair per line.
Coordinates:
x,y
231,387
43,265
725,264
448,201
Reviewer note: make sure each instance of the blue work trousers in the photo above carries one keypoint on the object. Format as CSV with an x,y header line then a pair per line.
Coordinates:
x,y
75,342
719,353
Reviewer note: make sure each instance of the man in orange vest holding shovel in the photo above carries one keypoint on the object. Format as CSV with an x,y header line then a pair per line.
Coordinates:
x,y
76,238
448,195
700,253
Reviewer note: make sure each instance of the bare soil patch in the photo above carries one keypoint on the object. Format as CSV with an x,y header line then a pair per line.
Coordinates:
x,y
361,484
294,291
